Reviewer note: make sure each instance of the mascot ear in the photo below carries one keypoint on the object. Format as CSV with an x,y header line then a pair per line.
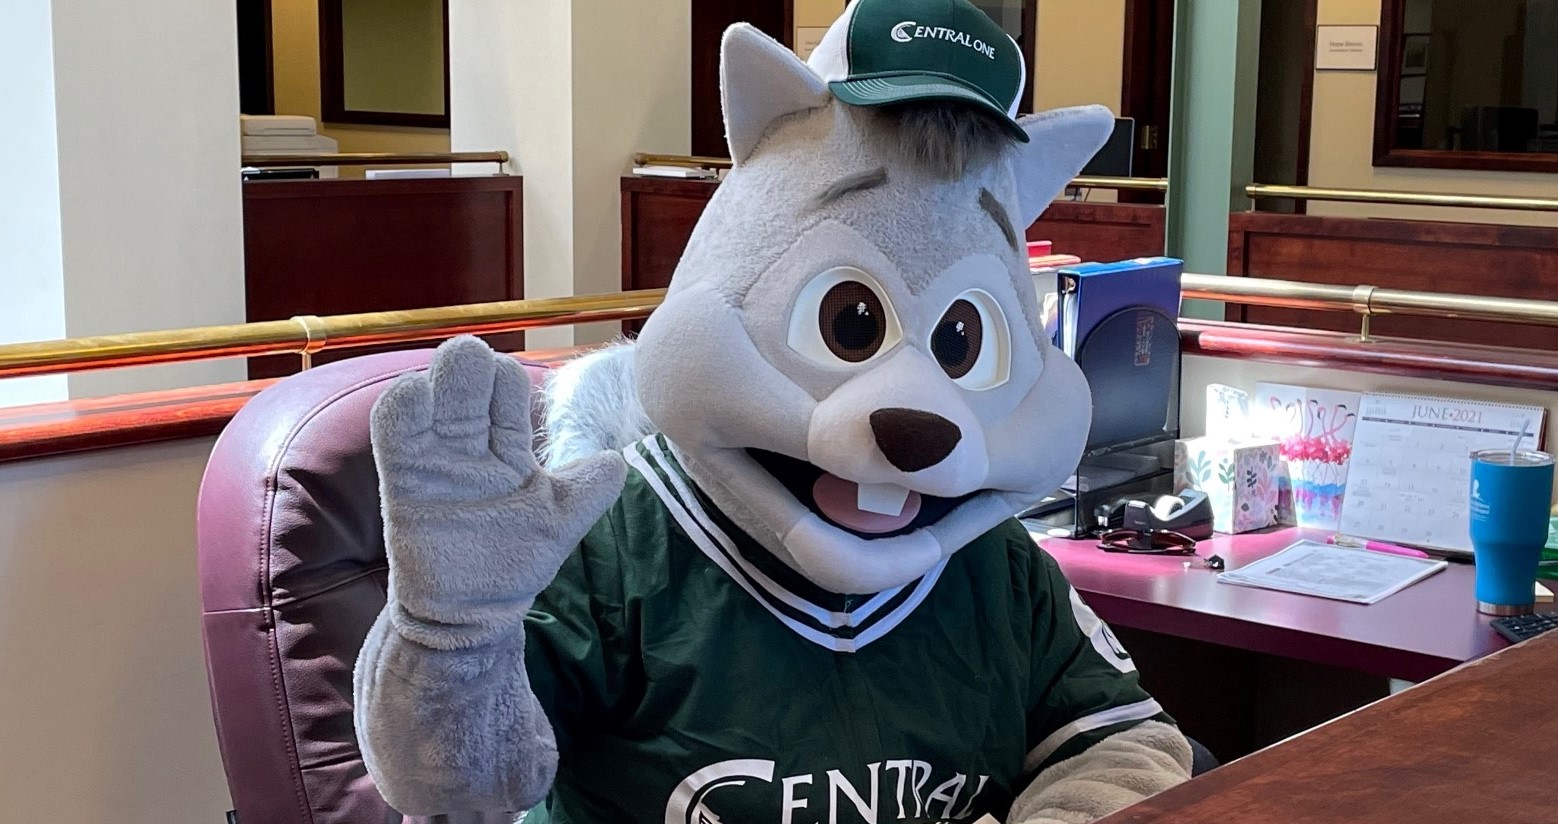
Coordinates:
x,y
761,81
1059,144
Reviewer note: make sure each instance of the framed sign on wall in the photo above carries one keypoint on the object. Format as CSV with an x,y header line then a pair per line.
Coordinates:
x,y
1347,48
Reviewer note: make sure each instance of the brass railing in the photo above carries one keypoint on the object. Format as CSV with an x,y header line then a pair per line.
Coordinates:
x,y
1259,191
1132,184
1142,184
306,335
1368,301
261,160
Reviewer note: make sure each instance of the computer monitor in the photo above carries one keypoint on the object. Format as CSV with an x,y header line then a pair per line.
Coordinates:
x,y
1114,159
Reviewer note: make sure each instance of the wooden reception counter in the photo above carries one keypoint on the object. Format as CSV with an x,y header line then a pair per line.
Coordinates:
x,y
1475,745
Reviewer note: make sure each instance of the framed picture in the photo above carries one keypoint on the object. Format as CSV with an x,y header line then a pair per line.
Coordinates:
x,y
385,62
1414,54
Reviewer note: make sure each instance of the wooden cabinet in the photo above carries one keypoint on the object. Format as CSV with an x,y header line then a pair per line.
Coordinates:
x,y
329,247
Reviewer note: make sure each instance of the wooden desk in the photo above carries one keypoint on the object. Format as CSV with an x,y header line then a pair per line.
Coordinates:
x,y
1475,745
1420,632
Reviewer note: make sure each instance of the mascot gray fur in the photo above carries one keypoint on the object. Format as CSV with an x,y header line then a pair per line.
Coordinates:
x,y
770,571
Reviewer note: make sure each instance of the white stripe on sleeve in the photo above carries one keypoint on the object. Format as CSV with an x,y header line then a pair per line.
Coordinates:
x,y
1139,711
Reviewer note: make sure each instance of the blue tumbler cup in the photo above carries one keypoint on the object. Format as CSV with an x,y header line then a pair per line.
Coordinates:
x,y
1511,494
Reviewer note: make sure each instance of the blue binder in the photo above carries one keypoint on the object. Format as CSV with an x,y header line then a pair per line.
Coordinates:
x,y
1091,292
1119,322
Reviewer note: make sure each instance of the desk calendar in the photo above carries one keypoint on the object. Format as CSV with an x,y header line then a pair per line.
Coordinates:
x,y
1411,465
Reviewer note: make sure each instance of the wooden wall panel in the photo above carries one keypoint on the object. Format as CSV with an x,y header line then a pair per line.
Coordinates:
x,y
1464,258
1102,231
658,216
329,247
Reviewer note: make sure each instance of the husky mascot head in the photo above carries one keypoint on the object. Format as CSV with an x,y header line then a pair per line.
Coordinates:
x,y
849,362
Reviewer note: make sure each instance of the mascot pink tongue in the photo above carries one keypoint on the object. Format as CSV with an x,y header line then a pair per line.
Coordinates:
x,y
840,501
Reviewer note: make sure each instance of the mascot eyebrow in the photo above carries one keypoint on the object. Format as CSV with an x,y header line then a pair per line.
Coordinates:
x,y
849,184
874,178
997,212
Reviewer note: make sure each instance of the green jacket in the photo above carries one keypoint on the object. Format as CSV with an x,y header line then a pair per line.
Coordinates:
x,y
691,677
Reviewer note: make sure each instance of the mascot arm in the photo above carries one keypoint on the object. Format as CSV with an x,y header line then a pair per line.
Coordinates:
x,y
1098,742
1113,774
446,715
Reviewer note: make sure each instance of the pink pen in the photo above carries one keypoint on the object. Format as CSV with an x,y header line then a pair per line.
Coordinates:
x,y
1377,546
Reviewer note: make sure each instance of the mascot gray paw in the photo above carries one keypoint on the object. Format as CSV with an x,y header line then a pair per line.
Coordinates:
x,y
475,530
476,527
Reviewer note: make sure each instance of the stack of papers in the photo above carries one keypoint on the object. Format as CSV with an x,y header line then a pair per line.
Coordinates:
x,y
1341,573
685,172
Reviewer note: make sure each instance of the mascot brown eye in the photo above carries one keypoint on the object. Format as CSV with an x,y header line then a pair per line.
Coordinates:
x,y
852,321
958,338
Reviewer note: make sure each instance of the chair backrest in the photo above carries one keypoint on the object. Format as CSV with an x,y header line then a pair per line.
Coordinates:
x,y
292,575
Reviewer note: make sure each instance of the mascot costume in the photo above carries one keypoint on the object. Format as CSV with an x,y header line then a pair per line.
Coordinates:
x,y
768,570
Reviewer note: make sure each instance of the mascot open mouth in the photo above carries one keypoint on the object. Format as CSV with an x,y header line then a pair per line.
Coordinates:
x,y
865,512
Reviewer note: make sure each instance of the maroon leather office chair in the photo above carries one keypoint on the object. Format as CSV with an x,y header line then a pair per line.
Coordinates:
x,y
292,575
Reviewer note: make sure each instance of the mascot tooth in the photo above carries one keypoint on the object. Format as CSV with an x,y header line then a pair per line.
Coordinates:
x,y
769,569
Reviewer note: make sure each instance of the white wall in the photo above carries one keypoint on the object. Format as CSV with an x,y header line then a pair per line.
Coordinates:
x,y
105,717
510,87
1079,56
1079,59
32,293
637,100
151,219
571,91
816,13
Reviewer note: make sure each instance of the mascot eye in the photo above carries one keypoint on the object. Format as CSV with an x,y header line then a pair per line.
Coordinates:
x,y
843,315
971,341
852,321
957,339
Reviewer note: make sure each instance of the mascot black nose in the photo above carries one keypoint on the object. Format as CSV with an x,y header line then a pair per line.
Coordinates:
x,y
913,440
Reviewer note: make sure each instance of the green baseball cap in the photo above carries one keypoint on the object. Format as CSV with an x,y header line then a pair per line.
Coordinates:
x,y
898,51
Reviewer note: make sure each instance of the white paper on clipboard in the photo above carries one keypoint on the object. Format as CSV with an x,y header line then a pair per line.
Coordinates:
x,y
1339,573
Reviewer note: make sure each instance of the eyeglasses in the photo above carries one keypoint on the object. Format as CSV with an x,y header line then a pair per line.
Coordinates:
x,y
1138,542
